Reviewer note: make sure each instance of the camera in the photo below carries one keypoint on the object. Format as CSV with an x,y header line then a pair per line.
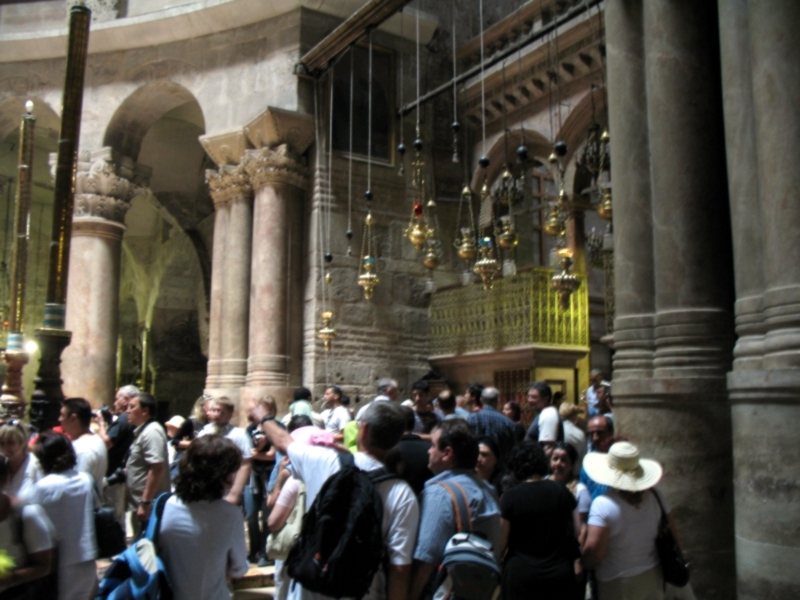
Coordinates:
x,y
118,476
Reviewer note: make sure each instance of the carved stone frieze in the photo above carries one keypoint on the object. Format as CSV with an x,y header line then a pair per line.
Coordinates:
x,y
275,166
229,184
102,10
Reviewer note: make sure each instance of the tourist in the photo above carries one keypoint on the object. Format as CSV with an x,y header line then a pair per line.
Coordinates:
x,y
220,416
623,525
32,552
255,492
512,410
453,455
90,449
192,426
301,405
574,434
24,469
201,538
488,467
472,397
589,395
448,408
147,469
538,527
546,427
491,423
424,415
67,496
335,416
410,457
388,391
118,437
379,430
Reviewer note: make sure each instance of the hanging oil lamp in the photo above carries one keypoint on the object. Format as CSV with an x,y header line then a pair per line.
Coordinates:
x,y
368,269
604,207
565,283
486,266
327,332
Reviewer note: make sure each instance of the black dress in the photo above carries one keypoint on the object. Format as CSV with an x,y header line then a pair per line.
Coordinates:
x,y
542,548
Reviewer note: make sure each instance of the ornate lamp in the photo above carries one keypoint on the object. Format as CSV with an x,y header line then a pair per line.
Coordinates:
x,y
327,332
368,269
565,282
486,267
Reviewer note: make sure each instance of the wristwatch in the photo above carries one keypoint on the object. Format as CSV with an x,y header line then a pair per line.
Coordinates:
x,y
267,418
145,503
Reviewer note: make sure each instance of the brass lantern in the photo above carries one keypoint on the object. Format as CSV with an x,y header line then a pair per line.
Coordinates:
x,y
565,283
486,266
327,332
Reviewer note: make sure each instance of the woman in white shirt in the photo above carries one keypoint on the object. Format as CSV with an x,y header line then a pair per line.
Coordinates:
x,y
23,466
66,495
623,525
201,539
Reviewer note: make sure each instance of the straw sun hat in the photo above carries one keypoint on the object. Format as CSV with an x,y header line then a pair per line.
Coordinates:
x,y
622,469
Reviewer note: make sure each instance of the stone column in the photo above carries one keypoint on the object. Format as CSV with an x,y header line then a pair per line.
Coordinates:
x,y
230,280
742,184
279,179
104,189
230,263
680,415
221,216
766,402
633,233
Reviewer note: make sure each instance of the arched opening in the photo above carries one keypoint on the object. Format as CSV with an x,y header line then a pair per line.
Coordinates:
x,y
167,243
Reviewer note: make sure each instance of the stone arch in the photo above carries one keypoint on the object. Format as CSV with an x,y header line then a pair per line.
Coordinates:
x,y
141,110
574,129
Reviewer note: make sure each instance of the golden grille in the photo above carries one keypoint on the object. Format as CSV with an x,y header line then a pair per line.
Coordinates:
x,y
519,311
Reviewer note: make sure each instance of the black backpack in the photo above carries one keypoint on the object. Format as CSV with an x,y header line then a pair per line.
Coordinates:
x,y
340,547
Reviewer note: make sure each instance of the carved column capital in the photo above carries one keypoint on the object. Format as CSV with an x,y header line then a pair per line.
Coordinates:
x,y
229,184
277,127
275,166
105,185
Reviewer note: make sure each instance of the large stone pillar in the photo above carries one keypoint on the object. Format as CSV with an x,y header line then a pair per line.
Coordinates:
x,y
633,232
766,400
230,263
680,415
104,189
279,179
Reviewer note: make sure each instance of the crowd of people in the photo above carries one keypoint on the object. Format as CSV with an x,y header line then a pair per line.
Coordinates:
x,y
570,510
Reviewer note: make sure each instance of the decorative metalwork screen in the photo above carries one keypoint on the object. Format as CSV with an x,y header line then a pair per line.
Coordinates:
x,y
519,311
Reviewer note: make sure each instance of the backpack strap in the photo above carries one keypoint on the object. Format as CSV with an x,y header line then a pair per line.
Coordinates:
x,y
383,474
345,459
154,524
460,506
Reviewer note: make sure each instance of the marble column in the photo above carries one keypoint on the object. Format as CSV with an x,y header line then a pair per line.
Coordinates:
x,y
104,189
633,232
680,415
765,400
279,179
221,216
279,182
230,280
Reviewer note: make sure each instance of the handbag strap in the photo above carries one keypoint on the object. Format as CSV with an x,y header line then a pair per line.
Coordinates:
x,y
460,506
661,506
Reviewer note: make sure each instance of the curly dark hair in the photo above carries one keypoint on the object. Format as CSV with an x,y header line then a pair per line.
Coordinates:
x,y
204,468
55,452
526,460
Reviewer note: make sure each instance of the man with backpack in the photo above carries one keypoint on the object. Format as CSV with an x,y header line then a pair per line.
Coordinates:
x,y
351,500
453,454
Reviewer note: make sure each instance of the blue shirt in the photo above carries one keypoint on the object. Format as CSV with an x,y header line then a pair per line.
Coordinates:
x,y
595,489
438,522
495,425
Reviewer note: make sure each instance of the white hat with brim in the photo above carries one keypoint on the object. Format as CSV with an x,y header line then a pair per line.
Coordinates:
x,y
622,469
176,422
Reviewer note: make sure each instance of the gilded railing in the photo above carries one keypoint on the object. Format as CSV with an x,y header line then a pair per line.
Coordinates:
x,y
519,311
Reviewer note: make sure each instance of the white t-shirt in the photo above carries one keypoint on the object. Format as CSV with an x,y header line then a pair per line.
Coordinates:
x,y
21,484
363,409
68,500
583,497
575,437
314,464
201,543
38,534
335,418
548,424
235,434
92,455
632,534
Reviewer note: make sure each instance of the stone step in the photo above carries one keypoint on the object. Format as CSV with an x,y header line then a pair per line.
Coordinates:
x,y
265,593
